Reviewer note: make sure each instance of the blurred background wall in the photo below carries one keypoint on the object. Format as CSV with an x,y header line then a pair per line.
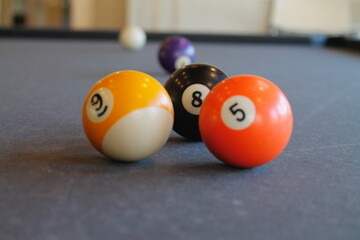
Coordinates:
x,y
199,16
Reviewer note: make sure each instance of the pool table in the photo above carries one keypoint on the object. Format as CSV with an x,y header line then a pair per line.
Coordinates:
x,y
55,185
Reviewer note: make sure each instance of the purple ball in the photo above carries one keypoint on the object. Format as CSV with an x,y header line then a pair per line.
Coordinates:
x,y
176,52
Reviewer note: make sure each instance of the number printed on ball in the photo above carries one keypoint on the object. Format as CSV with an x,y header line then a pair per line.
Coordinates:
x,y
193,97
100,105
182,61
238,112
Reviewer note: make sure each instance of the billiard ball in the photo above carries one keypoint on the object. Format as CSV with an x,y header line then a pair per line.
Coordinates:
x,y
128,115
188,88
246,121
176,52
132,38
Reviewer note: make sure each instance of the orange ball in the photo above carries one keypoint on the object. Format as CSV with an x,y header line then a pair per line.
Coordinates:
x,y
246,121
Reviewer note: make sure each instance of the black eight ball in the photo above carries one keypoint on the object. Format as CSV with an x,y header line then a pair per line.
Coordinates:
x,y
188,87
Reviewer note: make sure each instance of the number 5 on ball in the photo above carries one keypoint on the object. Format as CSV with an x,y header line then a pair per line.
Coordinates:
x,y
246,121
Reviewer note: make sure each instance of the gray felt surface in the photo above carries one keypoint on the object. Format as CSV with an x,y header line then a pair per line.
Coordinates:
x,y
54,185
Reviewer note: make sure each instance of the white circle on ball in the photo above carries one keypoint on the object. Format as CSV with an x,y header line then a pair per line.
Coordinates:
x,y
132,38
193,97
182,61
238,112
100,105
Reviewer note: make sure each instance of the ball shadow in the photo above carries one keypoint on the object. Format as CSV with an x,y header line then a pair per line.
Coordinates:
x,y
177,139
78,156
210,167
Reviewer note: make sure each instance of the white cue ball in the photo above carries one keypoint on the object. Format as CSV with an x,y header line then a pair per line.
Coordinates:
x,y
132,38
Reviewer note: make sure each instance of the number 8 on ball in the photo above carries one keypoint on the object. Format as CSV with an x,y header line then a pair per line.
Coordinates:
x,y
188,88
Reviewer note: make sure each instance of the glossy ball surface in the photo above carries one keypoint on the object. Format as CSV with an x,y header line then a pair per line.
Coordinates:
x,y
246,121
176,52
188,88
128,115
132,38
